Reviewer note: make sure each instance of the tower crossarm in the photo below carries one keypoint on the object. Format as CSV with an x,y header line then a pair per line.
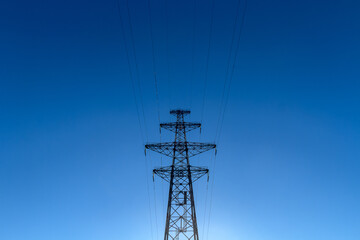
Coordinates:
x,y
196,172
168,148
187,126
178,112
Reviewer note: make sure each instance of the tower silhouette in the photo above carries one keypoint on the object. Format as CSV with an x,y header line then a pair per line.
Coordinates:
x,y
181,215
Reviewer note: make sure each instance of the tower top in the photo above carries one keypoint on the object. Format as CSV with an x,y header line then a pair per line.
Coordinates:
x,y
179,112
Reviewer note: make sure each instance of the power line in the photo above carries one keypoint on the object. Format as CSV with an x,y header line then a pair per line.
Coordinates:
x,y
154,61
130,70
167,51
228,66
135,98
207,58
155,205
193,48
149,202
162,190
225,100
233,66
205,208
211,197
136,65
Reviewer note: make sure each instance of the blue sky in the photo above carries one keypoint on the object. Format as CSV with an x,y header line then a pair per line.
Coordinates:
x,y
72,164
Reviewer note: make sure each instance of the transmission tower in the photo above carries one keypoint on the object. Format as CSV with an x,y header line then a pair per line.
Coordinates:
x,y
181,221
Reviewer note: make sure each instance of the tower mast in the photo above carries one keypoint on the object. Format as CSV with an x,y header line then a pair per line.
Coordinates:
x,y
181,221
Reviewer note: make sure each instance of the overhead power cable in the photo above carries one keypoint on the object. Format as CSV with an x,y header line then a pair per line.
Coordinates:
x,y
207,58
154,61
205,205
193,48
233,67
211,197
154,192
135,98
225,96
149,200
136,66
130,69
228,66
167,52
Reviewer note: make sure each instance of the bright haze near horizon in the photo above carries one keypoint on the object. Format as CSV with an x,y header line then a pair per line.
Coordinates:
x,y
72,164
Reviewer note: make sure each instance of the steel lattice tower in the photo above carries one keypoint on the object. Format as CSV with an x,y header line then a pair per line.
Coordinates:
x,y
181,217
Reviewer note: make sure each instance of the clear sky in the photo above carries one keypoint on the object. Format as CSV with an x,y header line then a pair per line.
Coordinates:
x,y
72,164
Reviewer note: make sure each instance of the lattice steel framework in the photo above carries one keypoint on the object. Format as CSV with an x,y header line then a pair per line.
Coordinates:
x,y
181,221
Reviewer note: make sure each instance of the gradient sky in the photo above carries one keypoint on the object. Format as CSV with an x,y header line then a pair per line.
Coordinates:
x,y
72,163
